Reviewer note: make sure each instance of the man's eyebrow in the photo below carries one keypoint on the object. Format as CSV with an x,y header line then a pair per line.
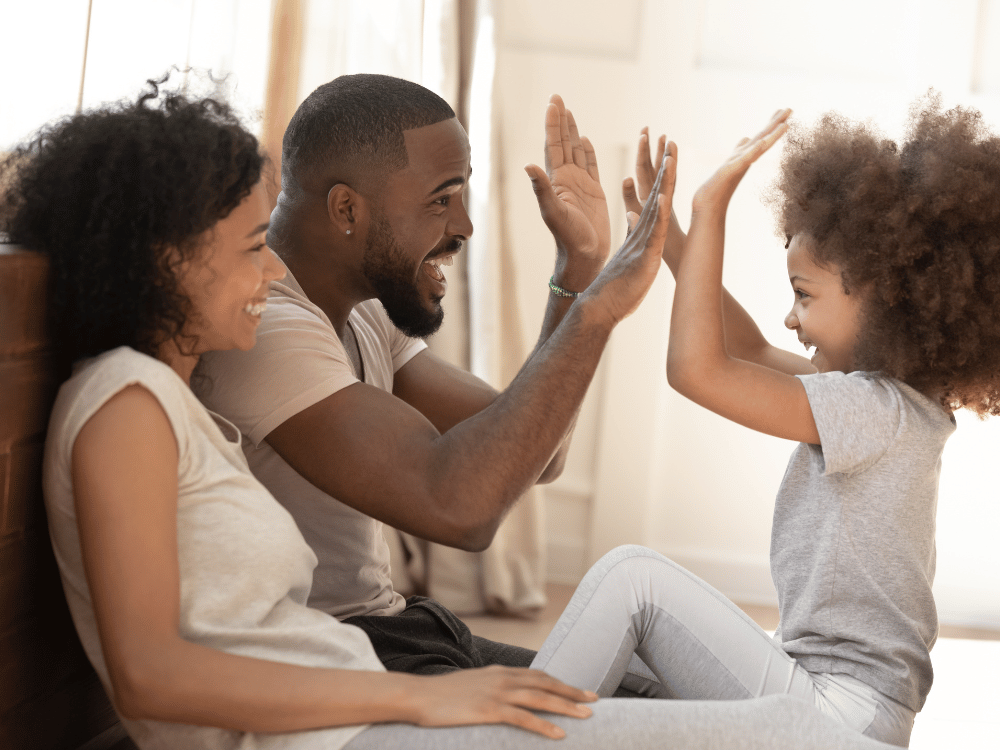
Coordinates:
x,y
262,228
447,184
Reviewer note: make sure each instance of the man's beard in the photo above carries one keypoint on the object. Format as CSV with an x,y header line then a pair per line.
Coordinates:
x,y
388,270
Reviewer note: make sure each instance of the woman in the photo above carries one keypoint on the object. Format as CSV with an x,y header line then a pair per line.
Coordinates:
x,y
186,580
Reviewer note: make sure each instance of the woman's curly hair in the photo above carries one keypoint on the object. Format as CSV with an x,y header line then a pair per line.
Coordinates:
x,y
119,198
915,228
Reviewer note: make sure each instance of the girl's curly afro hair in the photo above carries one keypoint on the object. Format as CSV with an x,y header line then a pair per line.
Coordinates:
x,y
915,228
118,198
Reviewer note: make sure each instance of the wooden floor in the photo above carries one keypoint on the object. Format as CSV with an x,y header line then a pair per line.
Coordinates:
x,y
963,710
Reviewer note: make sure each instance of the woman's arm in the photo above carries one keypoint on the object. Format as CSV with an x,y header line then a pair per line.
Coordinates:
x,y
125,491
698,363
743,338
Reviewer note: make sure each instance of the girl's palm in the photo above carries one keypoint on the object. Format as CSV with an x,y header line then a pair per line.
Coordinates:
x,y
722,184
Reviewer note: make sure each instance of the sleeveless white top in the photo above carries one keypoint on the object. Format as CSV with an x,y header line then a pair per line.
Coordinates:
x,y
245,570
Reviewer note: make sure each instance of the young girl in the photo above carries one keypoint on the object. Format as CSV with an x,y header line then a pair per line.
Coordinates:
x,y
894,263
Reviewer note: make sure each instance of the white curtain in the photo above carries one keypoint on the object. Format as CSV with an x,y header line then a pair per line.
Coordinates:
x,y
128,42
449,47
509,576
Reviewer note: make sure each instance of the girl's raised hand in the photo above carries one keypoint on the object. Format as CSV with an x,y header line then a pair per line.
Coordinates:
x,y
498,695
721,185
636,191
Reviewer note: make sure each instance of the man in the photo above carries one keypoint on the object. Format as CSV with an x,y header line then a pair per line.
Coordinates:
x,y
348,419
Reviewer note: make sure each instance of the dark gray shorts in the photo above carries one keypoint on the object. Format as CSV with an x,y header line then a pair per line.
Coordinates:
x,y
426,638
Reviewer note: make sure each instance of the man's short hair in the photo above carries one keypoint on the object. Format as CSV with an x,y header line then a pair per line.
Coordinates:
x,y
352,127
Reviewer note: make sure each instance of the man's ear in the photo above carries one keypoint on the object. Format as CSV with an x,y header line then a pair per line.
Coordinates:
x,y
346,208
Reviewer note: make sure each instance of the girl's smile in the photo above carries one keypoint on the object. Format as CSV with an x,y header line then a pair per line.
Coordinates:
x,y
824,316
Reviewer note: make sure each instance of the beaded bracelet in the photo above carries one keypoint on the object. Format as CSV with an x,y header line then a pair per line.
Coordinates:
x,y
559,291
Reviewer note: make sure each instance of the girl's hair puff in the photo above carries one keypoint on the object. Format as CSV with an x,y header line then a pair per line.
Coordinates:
x,y
915,228
118,198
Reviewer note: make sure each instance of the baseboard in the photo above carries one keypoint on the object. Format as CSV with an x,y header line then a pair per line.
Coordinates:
x,y
743,578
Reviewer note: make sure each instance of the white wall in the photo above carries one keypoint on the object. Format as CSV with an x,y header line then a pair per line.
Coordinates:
x,y
646,465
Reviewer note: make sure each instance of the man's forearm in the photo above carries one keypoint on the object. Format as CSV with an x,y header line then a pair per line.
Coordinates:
x,y
491,459
573,280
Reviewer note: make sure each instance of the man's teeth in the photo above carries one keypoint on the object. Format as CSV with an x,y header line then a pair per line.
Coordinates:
x,y
255,308
436,263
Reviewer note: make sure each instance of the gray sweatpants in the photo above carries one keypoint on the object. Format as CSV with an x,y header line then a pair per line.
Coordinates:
x,y
775,722
635,608
641,620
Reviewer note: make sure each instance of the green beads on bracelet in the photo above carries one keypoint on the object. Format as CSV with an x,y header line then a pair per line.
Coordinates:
x,y
559,291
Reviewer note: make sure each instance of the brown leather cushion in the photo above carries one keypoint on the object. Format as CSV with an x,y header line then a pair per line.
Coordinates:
x,y
50,697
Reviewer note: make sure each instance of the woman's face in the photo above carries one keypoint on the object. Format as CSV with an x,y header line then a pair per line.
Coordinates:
x,y
227,283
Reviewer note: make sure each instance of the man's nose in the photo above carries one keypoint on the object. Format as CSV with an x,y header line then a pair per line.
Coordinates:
x,y
460,225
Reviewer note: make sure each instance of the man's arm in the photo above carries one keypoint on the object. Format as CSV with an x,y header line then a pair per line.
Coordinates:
x,y
378,454
573,207
744,339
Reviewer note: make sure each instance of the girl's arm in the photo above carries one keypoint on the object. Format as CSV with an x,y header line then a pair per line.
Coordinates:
x,y
743,338
125,490
698,364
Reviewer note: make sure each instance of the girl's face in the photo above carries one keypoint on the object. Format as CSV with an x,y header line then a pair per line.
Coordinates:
x,y
823,315
227,282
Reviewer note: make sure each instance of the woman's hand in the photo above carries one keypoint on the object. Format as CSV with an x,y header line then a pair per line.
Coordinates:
x,y
498,695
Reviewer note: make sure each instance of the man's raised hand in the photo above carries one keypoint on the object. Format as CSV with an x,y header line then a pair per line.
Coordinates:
x,y
570,197
626,278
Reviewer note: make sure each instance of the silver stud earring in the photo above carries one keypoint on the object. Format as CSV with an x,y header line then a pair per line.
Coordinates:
x,y
348,231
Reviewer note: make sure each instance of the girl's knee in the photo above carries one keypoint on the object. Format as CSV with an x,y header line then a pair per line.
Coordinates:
x,y
628,551
624,558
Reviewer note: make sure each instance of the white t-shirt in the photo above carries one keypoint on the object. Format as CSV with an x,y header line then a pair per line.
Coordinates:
x,y
299,360
852,546
245,570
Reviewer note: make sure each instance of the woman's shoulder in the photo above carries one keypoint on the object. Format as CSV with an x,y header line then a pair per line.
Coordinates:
x,y
102,376
97,380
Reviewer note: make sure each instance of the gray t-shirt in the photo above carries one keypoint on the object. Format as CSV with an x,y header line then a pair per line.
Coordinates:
x,y
852,546
245,570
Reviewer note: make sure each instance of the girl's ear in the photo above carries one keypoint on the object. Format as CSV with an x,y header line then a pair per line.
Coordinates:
x,y
347,209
